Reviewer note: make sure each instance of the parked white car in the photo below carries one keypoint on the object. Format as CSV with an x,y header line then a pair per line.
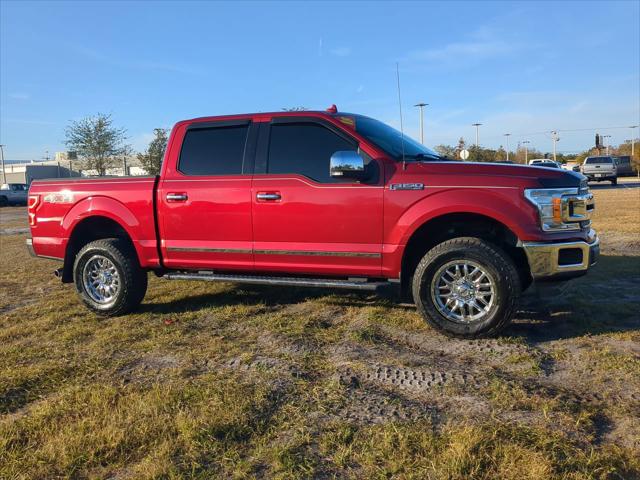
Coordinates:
x,y
543,162
13,194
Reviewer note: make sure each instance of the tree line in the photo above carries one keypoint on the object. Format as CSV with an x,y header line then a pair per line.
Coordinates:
x,y
101,145
521,155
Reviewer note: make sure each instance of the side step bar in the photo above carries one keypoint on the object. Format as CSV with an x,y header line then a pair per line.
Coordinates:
x,y
287,281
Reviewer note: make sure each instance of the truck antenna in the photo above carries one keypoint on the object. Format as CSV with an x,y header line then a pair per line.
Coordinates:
x,y
404,164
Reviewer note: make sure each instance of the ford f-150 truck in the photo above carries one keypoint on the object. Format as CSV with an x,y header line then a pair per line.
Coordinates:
x,y
319,199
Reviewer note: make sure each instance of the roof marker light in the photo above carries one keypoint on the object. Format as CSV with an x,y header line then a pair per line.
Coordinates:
x,y
332,109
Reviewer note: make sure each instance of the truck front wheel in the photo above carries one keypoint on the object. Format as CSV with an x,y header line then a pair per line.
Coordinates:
x,y
108,277
466,287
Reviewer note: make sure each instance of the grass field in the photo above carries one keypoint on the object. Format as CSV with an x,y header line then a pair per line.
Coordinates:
x,y
222,381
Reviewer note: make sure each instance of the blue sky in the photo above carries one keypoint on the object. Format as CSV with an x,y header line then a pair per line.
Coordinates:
x,y
519,67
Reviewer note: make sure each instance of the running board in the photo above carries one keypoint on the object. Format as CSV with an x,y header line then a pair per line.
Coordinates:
x,y
288,281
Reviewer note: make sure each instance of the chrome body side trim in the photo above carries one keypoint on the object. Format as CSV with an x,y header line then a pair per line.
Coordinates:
x,y
209,250
319,253
307,253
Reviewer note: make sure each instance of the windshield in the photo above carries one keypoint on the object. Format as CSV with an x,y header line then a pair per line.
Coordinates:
x,y
592,160
391,141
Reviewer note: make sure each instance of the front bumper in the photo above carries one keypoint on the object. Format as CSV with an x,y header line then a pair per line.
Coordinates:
x,y
562,259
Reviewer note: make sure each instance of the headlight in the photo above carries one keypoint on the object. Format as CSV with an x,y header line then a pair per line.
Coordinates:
x,y
552,205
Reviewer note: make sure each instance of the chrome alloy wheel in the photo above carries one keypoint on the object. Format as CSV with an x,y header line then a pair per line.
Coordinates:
x,y
463,291
101,279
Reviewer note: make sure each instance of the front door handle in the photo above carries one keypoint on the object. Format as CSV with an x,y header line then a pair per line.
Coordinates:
x,y
268,196
177,197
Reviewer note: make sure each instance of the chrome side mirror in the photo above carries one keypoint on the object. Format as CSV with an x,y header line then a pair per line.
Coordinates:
x,y
346,164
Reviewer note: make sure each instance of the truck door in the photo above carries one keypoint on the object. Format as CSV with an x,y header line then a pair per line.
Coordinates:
x,y
303,219
204,198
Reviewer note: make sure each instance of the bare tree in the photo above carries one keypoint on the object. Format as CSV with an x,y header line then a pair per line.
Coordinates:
x,y
151,159
96,141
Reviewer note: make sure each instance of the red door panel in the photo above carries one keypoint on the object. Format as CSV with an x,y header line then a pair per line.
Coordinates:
x,y
314,228
209,229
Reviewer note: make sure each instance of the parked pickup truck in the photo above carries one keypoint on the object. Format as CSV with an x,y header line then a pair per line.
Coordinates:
x,y
600,168
13,194
319,199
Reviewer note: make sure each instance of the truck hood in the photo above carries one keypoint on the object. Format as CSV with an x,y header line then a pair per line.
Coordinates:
x,y
528,176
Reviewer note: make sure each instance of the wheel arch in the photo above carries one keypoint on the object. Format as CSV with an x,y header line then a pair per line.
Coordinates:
x,y
461,224
87,230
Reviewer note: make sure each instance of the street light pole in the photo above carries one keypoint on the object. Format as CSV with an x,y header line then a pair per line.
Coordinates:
x,y
605,142
507,135
477,133
526,151
554,137
4,172
421,106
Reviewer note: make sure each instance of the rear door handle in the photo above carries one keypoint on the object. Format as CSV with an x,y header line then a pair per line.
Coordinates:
x,y
268,196
177,197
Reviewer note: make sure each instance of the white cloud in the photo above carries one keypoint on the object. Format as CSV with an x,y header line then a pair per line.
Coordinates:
x,y
137,64
341,51
463,51
20,96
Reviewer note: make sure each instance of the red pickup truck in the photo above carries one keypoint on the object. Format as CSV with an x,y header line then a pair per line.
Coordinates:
x,y
319,199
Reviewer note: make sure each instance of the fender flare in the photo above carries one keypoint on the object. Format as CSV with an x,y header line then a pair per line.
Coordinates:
x,y
99,206
494,205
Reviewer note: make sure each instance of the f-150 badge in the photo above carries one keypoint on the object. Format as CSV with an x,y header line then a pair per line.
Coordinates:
x,y
407,186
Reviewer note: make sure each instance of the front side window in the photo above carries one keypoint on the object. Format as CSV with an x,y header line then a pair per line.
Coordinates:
x,y
305,149
213,151
392,141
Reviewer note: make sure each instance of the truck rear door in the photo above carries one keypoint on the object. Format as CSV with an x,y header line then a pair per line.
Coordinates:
x,y
204,197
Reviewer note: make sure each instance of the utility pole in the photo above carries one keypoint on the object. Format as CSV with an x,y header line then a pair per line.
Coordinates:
x,y
526,151
4,173
421,106
554,138
507,135
632,138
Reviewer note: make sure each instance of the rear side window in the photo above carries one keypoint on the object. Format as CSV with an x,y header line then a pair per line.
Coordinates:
x,y
305,149
213,151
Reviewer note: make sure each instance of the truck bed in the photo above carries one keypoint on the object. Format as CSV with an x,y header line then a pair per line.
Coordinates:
x,y
62,204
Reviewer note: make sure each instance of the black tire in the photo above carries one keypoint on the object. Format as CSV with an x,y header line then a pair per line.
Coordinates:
x,y
493,261
3,201
132,279
614,181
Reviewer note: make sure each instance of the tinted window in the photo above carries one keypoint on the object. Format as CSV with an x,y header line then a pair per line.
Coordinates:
x,y
305,149
592,160
213,151
391,140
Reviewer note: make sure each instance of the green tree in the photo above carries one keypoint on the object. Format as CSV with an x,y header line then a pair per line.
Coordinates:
x,y
96,141
446,151
151,159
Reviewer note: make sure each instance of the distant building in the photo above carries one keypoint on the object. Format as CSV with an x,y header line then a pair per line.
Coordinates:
x,y
26,173
67,165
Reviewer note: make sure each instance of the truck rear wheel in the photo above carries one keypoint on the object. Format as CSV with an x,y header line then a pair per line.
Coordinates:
x,y
466,287
108,277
